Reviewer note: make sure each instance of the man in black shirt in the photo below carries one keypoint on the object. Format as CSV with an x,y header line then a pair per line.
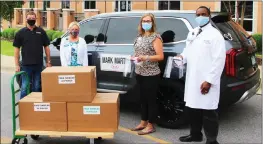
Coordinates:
x,y
31,39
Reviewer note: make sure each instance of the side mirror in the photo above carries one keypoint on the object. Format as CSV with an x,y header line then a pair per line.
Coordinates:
x,y
56,43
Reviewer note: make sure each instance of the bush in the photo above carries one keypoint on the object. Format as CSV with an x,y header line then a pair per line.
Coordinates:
x,y
50,34
0,34
258,39
16,32
57,34
9,33
5,33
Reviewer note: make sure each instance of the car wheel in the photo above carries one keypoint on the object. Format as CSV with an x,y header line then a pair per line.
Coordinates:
x,y
171,104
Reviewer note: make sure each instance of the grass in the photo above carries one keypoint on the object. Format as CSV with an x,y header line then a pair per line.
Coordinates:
x,y
7,48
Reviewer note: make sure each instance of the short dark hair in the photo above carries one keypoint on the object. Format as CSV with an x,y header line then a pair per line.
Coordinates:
x,y
207,9
31,13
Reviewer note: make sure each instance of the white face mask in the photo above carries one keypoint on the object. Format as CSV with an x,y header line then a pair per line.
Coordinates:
x,y
202,20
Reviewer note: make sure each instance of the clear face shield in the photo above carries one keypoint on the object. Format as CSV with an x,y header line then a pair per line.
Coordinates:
x,y
175,68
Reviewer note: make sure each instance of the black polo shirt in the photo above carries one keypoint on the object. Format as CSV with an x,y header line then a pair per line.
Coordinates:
x,y
32,43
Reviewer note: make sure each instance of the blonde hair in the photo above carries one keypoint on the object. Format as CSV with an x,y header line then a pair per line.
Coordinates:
x,y
141,31
74,23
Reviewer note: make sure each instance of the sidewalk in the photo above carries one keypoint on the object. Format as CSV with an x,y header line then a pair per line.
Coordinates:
x,y
8,66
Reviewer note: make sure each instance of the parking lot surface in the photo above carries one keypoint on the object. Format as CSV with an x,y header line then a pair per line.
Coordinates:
x,y
241,123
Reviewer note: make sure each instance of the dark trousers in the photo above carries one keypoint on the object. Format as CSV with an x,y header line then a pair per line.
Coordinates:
x,y
204,118
148,87
34,75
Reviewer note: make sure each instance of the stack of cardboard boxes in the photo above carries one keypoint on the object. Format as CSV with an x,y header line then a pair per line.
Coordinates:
x,y
69,102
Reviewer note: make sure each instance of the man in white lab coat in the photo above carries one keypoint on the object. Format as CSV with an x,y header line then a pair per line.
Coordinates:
x,y
204,54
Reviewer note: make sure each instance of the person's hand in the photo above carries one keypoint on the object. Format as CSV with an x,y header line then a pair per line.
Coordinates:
x,y
49,65
205,87
180,56
142,58
17,68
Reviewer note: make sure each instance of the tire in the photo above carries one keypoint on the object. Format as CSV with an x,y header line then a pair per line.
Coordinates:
x,y
171,104
34,137
17,141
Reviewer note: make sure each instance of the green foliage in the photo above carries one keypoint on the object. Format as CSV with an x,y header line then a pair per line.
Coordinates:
x,y
50,34
258,39
0,34
7,9
57,34
9,33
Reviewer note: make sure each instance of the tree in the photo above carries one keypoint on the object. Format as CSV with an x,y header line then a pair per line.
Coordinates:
x,y
236,8
7,9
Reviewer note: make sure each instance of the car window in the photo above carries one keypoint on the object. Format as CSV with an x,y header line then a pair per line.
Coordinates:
x,y
228,31
125,30
122,30
90,29
171,30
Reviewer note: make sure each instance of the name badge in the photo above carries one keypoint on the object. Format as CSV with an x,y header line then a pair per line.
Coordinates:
x,y
38,32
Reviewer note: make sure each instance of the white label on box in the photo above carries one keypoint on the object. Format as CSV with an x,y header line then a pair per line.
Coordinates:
x,y
92,110
66,79
41,106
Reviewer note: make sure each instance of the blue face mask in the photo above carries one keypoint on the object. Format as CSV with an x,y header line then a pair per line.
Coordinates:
x,y
202,20
146,26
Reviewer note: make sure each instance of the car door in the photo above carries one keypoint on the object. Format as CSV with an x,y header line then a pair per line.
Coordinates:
x,y
89,30
173,31
120,34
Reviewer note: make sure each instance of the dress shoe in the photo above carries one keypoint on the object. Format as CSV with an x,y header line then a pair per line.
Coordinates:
x,y
191,138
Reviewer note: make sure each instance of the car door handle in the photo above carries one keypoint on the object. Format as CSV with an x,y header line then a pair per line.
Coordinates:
x,y
100,50
89,53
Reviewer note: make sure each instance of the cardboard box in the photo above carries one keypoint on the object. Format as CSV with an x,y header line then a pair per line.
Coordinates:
x,y
34,114
69,84
102,115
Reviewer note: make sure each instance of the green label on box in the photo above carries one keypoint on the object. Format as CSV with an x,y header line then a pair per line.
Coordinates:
x,y
92,110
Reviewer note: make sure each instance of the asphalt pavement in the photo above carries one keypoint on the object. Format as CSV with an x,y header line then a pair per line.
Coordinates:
x,y
241,123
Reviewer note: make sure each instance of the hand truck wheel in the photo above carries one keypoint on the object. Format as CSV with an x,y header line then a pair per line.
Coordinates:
x,y
17,140
34,137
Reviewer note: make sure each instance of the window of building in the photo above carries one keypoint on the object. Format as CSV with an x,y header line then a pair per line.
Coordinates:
x,y
91,28
46,4
32,4
171,30
122,5
169,5
90,4
245,7
65,4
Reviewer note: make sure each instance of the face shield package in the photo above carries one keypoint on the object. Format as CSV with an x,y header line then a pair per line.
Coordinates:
x,y
175,68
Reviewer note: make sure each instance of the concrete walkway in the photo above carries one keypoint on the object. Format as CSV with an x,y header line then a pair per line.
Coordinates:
x,y
8,66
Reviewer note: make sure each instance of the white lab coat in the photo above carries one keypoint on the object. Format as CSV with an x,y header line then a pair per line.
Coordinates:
x,y
205,57
65,52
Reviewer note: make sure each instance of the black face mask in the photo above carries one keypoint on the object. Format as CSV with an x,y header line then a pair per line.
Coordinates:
x,y
31,22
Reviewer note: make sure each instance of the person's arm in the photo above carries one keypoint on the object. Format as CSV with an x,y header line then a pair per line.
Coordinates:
x,y
85,59
62,53
218,53
17,44
158,47
46,43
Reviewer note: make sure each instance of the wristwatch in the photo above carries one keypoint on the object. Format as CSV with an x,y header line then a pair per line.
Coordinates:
x,y
49,62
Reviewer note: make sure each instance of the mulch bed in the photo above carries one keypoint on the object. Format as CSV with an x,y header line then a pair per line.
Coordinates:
x,y
259,60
